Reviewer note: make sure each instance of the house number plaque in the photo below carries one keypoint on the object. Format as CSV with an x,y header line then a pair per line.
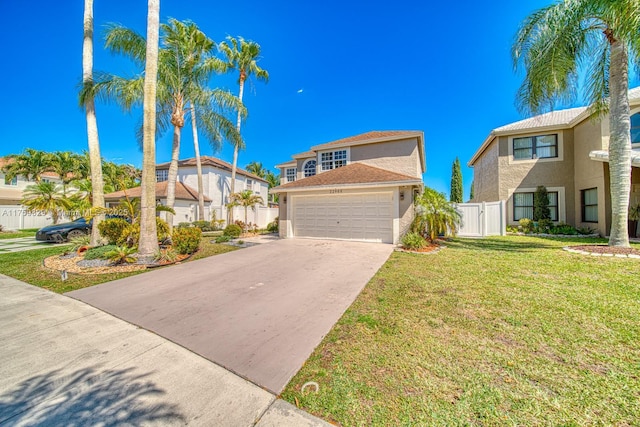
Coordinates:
x,y
335,191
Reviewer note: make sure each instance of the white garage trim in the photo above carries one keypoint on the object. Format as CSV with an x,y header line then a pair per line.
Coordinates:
x,y
370,216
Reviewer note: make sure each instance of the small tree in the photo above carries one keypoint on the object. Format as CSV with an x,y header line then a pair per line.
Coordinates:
x,y
472,192
46,196
435,215
246,199
541,204
456,182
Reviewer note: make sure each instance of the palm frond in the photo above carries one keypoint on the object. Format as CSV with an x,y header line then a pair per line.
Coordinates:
x,y
124,41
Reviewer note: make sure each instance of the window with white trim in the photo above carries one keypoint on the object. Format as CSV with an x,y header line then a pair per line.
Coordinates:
x,y
333,159
535,147
162,175
12,181
309,168
589,204
249,184
635,128
523,205
290,174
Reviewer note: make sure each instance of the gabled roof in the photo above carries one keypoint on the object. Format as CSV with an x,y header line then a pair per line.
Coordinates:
x,y
365,138
352,174
210,161
183,192
288,164
559,119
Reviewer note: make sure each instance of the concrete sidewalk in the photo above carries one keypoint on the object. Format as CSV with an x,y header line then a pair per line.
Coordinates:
x,y
63,362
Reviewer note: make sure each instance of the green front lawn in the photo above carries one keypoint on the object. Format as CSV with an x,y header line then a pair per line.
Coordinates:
x,y
492,332
27,266
28,232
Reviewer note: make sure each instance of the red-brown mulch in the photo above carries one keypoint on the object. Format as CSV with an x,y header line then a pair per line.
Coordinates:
x,y
605,249
433,247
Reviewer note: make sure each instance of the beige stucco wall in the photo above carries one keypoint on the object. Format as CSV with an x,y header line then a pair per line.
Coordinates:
x,y
398,156
406,210
529,174
591,135
485,175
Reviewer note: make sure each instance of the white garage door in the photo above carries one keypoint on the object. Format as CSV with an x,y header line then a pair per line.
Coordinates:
x,y
366,217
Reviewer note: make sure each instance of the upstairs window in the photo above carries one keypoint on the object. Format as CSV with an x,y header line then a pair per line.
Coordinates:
x,y
333,159
162,175
635,128
12,181
290,174
535,147
309,168
249,184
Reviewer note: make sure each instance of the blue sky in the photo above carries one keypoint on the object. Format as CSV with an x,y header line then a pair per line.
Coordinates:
x,y
337,69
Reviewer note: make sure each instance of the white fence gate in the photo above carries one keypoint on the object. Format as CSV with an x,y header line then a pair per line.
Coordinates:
x,y
261,216
483,219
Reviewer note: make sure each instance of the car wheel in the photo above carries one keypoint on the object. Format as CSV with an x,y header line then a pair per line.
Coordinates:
x,y
75,233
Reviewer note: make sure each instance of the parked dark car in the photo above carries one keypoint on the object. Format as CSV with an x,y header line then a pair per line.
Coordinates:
x,y
64,232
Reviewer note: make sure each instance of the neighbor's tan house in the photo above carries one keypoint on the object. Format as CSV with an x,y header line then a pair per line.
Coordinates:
x,y
567,152
357,188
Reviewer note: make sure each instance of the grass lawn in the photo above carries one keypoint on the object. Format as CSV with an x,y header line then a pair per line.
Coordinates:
x,y
27,266
492,332
28,232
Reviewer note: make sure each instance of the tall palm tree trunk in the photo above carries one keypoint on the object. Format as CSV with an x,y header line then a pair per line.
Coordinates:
x,y
172,176
148,244
92,125
619,142
234,166
196,149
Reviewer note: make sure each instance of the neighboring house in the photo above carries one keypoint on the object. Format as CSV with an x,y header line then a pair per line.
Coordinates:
x,y
358,188
567,152
12,214
216,184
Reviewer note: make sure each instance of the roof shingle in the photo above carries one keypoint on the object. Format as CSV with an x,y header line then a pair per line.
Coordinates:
x,y
355,173
183,192
210,161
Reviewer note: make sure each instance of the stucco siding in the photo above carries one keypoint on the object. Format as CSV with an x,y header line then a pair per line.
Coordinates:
x,y
590,173
485,175
406,210
397,156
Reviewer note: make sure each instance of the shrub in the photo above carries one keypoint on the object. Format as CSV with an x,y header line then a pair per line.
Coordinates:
x,y
232,230
541,204
544,225
98,252
186,240
166,256
80,241
216,224
414,241
586,230
512,229
184,225
272,227
121,255
112,229
563,228
435,215
526,224
131,234
223,239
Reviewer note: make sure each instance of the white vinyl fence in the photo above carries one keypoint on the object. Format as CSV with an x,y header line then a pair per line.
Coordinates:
x,y
261,216
17,217
483,219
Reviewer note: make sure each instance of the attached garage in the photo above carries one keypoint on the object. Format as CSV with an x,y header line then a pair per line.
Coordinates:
x,y
361,216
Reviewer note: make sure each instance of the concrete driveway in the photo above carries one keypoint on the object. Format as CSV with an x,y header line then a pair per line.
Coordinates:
x,y
258,312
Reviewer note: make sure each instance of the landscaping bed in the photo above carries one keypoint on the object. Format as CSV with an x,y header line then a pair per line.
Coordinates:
x,y
498,331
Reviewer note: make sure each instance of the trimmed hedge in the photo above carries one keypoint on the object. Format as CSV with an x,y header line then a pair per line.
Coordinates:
x,y
232,230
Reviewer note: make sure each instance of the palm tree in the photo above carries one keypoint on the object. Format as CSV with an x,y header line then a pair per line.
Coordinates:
x,y
185,62
242,55
273,180
196,149
31,164
435,215
46,196
65,164
92,126
257,169
553,43
148,243
247,200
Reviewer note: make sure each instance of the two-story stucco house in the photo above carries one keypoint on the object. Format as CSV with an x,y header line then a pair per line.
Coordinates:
x,y
216,185
358,188
567,152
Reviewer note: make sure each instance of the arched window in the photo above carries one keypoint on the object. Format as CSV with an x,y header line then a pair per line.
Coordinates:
x,y
635,128
309,168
